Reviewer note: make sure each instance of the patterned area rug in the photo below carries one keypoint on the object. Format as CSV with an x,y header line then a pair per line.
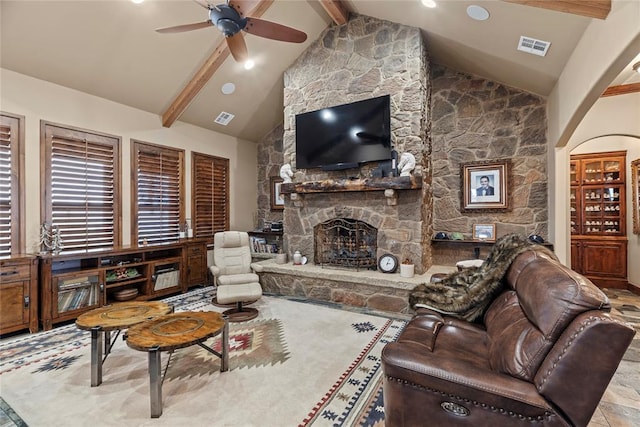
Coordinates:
x,y
296,364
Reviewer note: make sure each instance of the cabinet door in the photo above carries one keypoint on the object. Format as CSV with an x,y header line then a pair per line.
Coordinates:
x,y
576,257
14,304
76,291
196,264
575,209
604,258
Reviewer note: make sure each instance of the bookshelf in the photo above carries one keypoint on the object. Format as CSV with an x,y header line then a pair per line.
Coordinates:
x,y
73,283
265,244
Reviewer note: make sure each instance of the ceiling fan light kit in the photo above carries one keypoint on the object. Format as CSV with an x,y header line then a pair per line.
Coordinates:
x,y
228,19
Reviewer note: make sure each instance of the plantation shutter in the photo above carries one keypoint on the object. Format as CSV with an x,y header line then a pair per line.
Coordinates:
x,y
158,193
210,185
9,191
81,182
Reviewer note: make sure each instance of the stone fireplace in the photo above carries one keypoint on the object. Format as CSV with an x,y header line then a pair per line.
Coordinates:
x,y
362,59
346,243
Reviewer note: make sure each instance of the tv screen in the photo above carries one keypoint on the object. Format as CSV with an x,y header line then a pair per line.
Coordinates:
x,y
344,136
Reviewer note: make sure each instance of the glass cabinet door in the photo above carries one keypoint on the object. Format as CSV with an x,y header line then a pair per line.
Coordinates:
x,y
574,207
592,172
76,291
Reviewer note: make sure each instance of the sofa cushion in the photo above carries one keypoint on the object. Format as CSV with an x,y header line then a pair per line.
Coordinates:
x,y
523,324
516,346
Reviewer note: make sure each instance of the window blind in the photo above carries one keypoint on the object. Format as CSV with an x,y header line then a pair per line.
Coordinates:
x,y
158,193
210,189
82,198
8,184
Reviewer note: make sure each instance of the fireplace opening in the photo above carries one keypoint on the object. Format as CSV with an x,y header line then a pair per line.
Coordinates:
x,y
345,242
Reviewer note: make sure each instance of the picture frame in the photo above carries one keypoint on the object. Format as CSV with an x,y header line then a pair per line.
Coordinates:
x,y
277,198
635,187
485,186
484,232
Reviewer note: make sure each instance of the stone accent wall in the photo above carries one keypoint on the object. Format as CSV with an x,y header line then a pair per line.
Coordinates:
x,y
362,59
475,119
270,158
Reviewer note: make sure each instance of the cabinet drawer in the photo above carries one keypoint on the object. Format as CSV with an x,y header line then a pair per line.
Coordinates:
x,y
195,250
13,271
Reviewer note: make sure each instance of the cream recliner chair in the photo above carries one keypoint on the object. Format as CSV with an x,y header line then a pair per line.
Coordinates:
x,y
235,280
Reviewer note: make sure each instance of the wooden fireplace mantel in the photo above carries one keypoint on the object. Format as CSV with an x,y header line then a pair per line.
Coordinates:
x,y
355,184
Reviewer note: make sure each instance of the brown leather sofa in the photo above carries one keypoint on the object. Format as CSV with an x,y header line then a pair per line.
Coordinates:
x,y
543,356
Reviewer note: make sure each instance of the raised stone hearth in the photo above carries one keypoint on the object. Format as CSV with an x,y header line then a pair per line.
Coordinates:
x,y
365,288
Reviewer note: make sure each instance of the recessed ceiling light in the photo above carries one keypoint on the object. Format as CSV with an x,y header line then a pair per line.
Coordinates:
x,y
478,13
428,3
249,64
228,88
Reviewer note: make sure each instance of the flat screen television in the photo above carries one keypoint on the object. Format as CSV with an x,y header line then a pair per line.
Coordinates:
x,y
344,136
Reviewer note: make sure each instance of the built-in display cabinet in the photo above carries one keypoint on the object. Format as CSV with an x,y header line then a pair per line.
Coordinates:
x,y
598,213
73,283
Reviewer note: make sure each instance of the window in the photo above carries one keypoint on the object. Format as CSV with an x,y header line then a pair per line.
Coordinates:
x,y
210,190
12,235
81,182
158,193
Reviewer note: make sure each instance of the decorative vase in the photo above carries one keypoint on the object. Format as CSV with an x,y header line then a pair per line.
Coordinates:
x,y
297,258
407,270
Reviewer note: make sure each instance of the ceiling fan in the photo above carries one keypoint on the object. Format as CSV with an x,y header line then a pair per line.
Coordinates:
x,y
230,20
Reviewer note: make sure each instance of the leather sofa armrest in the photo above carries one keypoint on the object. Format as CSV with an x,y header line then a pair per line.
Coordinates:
x,y
428,324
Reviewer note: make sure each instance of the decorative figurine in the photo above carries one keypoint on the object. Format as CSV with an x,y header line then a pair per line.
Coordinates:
x,y
406,164
50,239
286,173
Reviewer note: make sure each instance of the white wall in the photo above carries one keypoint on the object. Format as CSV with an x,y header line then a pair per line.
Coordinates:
x,y
612,124
40,100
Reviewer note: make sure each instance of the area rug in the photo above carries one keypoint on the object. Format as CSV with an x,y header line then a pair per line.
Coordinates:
x,y
296,364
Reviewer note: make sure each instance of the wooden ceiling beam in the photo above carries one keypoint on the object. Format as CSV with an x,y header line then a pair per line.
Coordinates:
x,y
209,67
592,8
621,89
336,10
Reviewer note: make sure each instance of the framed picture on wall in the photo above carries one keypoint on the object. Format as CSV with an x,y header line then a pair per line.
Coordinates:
x,y
485,185
485,232
277,198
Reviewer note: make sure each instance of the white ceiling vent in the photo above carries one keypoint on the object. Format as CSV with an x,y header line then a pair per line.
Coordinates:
x,y
534,46
224,118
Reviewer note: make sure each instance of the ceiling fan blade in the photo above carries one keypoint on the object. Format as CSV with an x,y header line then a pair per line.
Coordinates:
x,y
243,6
185,27
202,3
238,47
271,30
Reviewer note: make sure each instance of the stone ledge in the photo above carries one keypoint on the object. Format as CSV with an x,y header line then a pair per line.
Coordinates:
x,y
365,288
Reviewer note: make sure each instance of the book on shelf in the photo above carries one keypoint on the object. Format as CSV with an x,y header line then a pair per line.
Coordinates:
x,y
260,245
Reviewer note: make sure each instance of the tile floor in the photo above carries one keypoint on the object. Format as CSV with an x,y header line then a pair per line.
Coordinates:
x,y
620,405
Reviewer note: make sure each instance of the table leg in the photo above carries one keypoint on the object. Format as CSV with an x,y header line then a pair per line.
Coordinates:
x,y
224,364
155,382
96,356
107,343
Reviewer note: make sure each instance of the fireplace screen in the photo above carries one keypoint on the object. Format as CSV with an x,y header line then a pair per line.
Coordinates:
x,y
345,242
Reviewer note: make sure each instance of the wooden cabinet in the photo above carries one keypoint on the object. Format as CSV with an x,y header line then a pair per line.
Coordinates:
x,y
598,217
196,263
71,284
18,294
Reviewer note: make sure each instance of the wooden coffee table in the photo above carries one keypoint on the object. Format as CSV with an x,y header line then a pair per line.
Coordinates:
x,y
115,317
174,331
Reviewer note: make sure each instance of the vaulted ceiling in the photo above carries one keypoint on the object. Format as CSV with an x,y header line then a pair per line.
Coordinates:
x,y
110,49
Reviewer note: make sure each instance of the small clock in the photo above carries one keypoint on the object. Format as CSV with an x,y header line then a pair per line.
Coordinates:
x,y
388,263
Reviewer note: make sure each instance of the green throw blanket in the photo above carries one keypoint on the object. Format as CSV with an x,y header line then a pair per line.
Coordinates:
x,y
467,294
